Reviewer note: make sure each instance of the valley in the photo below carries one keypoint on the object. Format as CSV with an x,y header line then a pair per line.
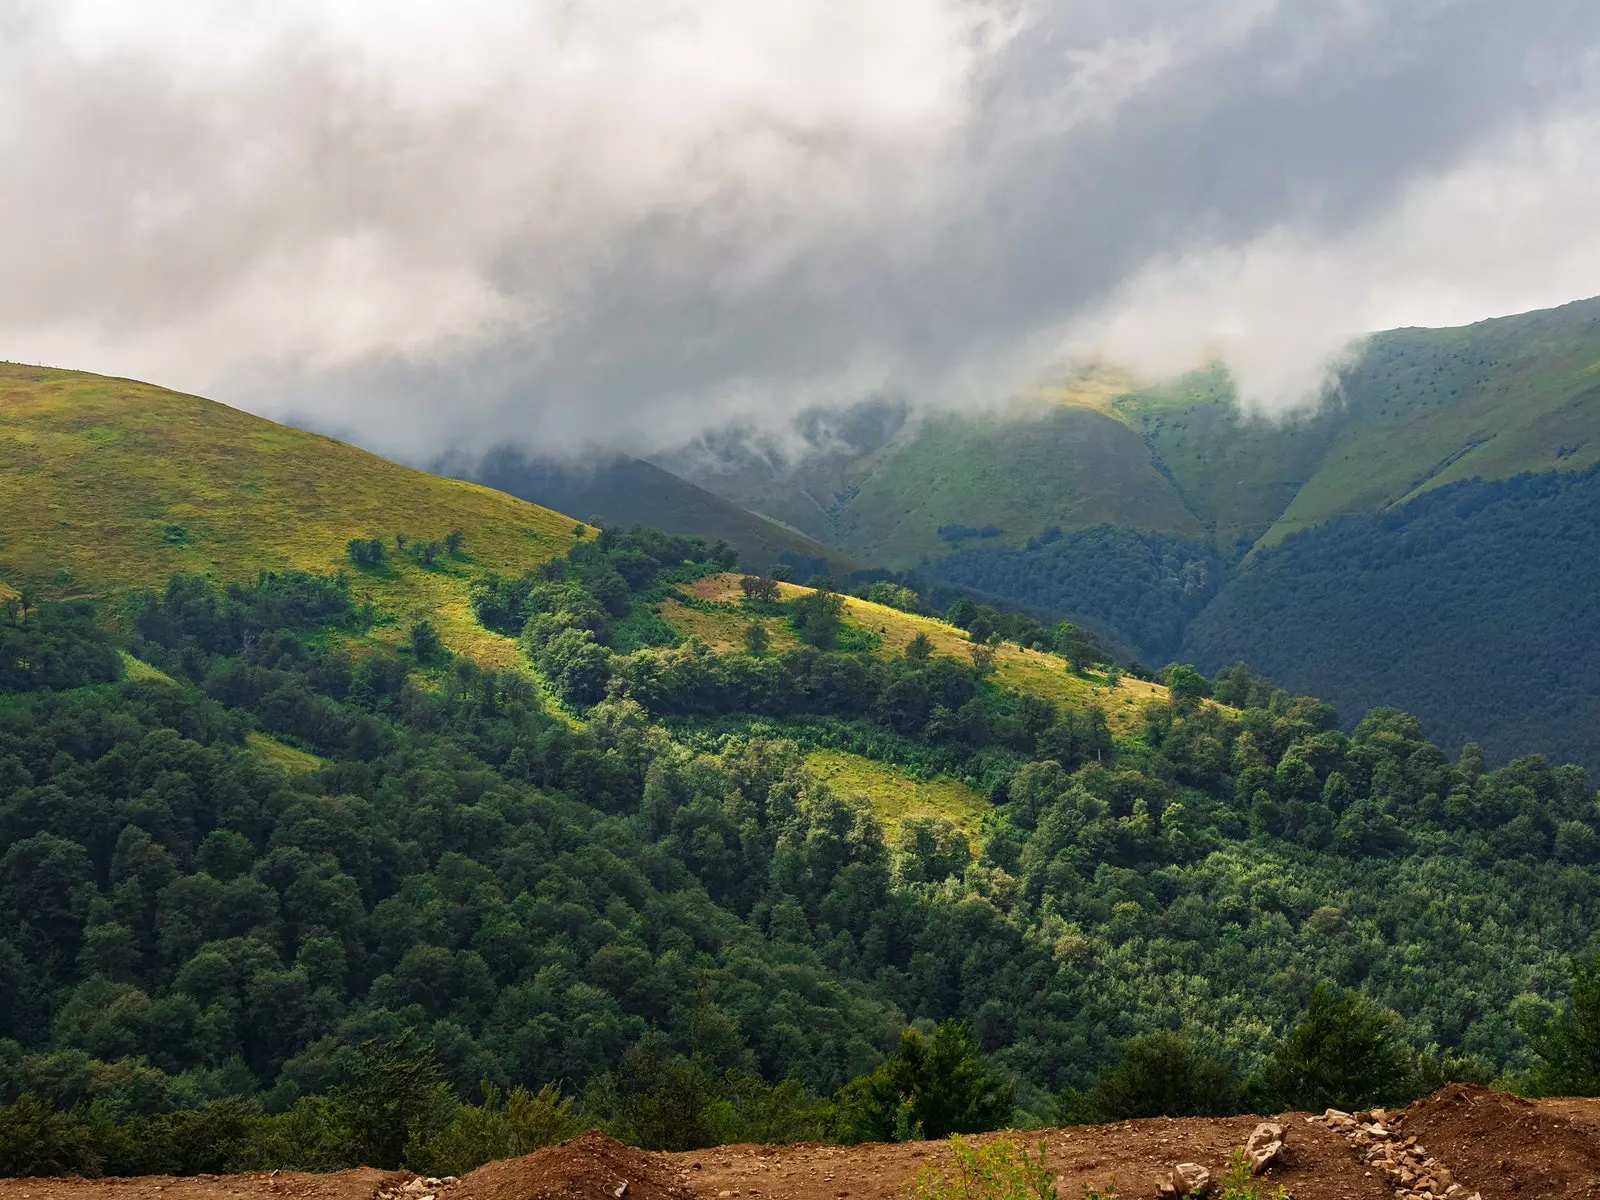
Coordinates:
x,y
355,815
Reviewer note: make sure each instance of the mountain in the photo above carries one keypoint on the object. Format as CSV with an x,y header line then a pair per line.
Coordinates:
x,y
692,856
1144,511
109,484
631,491
1415,409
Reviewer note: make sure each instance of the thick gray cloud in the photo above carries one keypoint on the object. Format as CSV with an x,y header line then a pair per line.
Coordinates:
x,y
620,223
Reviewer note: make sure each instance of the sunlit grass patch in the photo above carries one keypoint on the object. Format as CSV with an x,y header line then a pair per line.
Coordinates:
x,y
291,760
894,795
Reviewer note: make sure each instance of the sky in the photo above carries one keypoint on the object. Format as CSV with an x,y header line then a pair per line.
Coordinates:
x,y
611,224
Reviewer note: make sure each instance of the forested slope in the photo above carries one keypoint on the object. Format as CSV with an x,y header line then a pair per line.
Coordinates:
x,y
1473,605
653,887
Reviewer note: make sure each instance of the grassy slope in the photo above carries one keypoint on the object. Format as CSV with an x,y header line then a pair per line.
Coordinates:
x,y
1236,472
894,795
1430,406
93,470
1069,466
1419,407
1029,671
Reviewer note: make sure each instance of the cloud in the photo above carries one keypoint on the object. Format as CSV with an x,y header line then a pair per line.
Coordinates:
x,y
615,223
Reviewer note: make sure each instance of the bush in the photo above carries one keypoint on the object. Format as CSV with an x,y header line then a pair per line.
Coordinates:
x,y
504,1126
37,1140
1000,1170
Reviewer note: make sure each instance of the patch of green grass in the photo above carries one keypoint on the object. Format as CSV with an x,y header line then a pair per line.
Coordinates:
x,y
137,669
895,795
110,485
291,760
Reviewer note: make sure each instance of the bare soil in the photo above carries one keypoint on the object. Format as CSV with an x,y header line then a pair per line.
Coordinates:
x,y
1506,1147
1499,1145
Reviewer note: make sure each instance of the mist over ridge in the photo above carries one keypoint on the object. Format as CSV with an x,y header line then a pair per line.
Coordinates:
x,y
594,227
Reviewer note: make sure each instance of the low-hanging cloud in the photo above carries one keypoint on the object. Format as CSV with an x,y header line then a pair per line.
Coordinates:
x,y
613,223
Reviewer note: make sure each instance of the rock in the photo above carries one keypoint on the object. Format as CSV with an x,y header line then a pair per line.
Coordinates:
x,y
1264,1145
1187,1179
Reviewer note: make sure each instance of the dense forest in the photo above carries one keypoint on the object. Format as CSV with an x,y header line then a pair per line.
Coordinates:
x,y
1472,605
1139,588
314,901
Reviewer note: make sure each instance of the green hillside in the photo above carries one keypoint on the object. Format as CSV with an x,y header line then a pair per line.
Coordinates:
x,y
109,484
1418,408
1427,407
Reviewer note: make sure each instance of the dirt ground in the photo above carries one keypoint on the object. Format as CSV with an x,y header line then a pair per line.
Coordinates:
x,y
360,1184
1505,1147
1499,1145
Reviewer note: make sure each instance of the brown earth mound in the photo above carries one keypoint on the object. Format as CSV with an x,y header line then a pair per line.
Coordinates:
x,y
1506,1147
590,1167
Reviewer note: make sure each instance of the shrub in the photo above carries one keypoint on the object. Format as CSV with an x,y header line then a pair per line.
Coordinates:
x,y
505,1126
999,1170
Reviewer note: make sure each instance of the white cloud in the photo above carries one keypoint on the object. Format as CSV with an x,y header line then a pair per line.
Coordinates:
x,y
616,221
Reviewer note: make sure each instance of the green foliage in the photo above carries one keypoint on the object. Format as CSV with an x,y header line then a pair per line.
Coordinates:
x,y
1345,1054
366,553
756,639
182,922
425,643
1479,587
505,1125
894,595
932,1086
1157,1074
1568,1048
758,589
1239,1183
999,1169
1146,586
815,617
55,646
35,1139
1185,683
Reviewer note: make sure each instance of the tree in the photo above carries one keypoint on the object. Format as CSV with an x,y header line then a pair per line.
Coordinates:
x,y
816,618
1186,683
758,589
389,1094
919,650
1569,1047
425,643
453,541
982,659
894,595
1344,1053
932,1086
960,613
756,639
1157,1075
